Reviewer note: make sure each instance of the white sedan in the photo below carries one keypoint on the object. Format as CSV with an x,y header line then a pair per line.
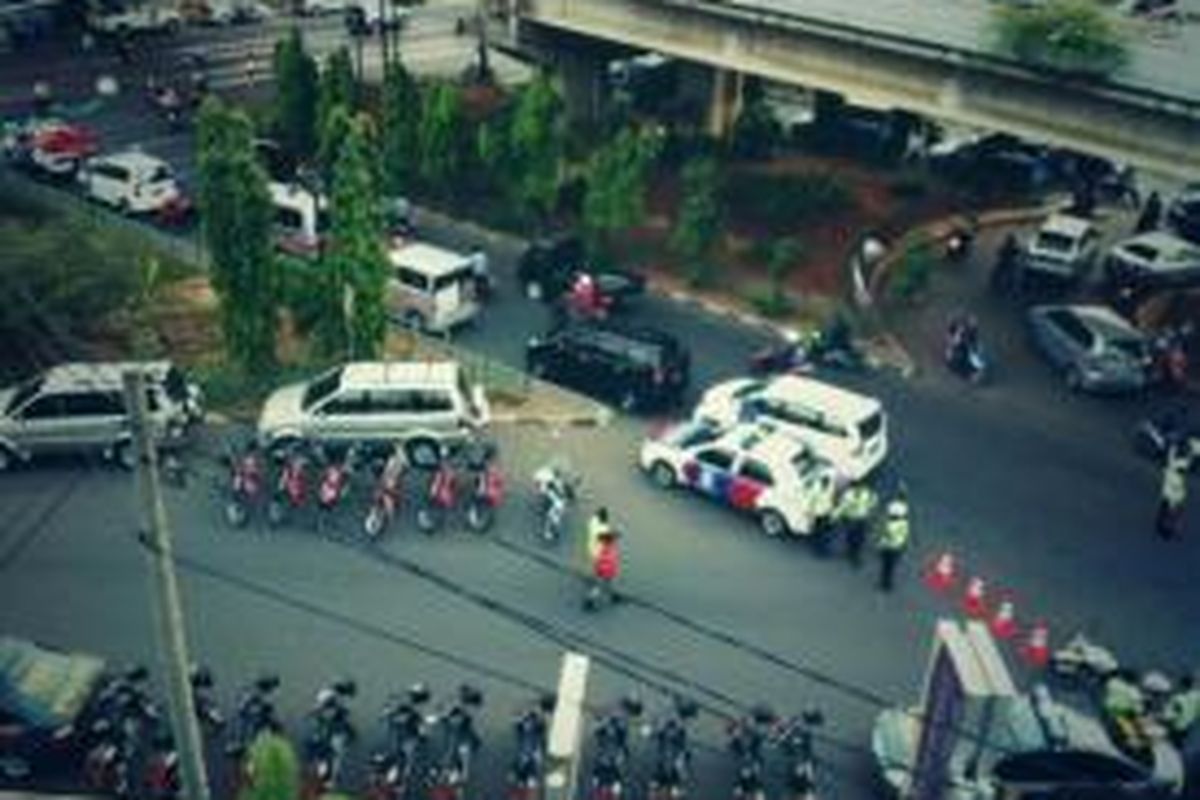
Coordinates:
x,y
749,467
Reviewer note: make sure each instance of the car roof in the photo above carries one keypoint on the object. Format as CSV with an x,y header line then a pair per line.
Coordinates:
x,y
107,375
763,442
1065,224
293,194
785,387
1163,242
1096,317
383,373
432,261
134,160
642,334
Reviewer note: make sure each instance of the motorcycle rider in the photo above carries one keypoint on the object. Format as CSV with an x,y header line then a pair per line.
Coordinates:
x,y
597,526
1172,493
606,566
1182,710
963,350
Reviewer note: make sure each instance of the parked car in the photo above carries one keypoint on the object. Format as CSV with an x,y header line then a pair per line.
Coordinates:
x,y
375,402
131,181
80,408
997,161
1093,347
638,368
845,428
364,16
147,18
1064,247
431,288
548,267
49,147
1153,259
46,697
750,467
1183,214
300,218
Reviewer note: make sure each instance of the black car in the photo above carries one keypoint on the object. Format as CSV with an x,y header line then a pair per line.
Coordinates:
x,y
997,162
637,368
548,268
1183,215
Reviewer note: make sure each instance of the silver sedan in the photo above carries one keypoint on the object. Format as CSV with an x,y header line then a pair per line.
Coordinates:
x,y
1092,346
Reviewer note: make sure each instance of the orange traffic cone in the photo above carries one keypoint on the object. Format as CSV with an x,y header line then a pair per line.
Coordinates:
x,y
940,575
973,604
1037,646
1004,621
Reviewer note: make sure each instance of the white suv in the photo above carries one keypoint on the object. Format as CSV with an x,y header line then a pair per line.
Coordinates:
x,y
375,402
748,467
845,428
131,181
1063,247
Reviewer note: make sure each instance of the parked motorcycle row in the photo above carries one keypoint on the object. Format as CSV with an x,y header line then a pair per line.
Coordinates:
x,y
300,481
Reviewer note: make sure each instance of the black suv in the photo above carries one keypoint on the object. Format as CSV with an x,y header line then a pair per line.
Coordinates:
x,y
549,266
637,368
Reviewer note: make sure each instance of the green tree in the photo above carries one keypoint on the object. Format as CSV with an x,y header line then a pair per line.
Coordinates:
x,y
337,87
784,256
401,127
615,196
698,222
538,141
1074,36
441,137
757,130
236,211
296,90
273,768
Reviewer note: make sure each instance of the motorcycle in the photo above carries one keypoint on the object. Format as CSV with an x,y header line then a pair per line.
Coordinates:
x,y
208,713
831,347
438,498
555,488
392,770
964,354
746,739
673,757
255,715
389,491
485,488
162,780
611,744
124,716
245,485
330,735
959,244
1083,662
333,485
802,763
291,487
1156,438
526,775
451,768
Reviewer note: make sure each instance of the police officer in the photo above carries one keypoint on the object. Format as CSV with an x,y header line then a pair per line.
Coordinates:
x,y
893,538
1182,710
854,510
1172,494
823,506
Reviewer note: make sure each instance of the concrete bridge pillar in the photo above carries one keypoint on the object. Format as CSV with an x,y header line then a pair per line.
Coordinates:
x,y
725,102
584,86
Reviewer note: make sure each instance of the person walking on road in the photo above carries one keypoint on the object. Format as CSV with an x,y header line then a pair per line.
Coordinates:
x,y
1172,494
853,513
606,566
893,539
597,526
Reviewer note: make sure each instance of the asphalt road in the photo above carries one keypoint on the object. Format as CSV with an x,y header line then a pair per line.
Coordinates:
x,y
1035,490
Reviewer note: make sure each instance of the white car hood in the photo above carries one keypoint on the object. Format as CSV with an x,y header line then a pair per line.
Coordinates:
x,y
718,403
282,409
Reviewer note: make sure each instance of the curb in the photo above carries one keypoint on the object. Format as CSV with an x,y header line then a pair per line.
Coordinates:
x,y
599,419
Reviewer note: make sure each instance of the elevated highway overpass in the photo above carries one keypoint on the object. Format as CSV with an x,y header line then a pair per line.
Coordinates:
x,y
930,57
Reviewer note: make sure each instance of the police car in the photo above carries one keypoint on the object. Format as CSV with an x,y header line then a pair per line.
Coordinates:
x,y
752,467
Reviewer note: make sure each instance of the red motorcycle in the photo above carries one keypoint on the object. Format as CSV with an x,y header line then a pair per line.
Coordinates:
x,y
245,486
291,488
486,490
162,769
333,486
439,497
389,492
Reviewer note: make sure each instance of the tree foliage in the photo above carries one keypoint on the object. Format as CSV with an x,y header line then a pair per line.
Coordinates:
x,y
337,88
401,127
273,770
538,140
783,258
442,137
236,212
616,186
1074,36
698,222
757,131
296,95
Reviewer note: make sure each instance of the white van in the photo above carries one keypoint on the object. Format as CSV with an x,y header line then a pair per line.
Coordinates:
x,y
431,288
846,428
130,181
300,218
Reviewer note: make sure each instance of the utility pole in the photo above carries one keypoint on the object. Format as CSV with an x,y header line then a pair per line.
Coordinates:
x,y
386,20
167,611
481,17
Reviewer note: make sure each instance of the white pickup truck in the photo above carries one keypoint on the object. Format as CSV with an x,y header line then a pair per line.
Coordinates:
x,y
145,18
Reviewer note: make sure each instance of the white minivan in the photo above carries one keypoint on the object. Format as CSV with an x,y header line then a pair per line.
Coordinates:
x,y
431,288
131,181
846,428
300,218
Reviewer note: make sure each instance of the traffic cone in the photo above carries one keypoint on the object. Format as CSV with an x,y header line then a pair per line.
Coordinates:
x,y
1037,646
940,575
973,604
1004,621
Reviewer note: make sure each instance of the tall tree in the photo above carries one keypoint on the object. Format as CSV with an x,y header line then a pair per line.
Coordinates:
x,y
615,197
401,129
236,211
273,768
1075,36
538,142
355,259
337,86
296,89
442,136
698,222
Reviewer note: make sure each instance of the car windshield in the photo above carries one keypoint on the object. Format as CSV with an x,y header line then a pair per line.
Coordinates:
x,y
322,387
692,434
869,427
804,462
1055,242
161,174
1131,348
750,388
23,394
175,384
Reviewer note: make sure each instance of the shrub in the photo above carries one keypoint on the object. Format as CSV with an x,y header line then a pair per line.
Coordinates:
x,y
1069,35
783,202
912,272
769,302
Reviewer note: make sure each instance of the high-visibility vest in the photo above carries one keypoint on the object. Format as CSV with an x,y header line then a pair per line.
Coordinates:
x,y
1174,485
895,527
1182,710
857,503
